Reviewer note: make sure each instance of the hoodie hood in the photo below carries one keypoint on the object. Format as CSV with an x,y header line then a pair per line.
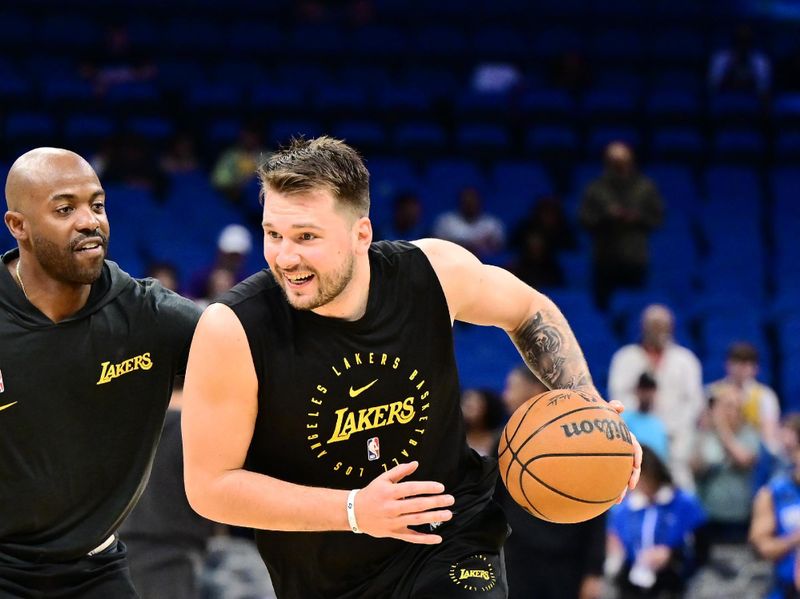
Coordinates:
x,y
112,281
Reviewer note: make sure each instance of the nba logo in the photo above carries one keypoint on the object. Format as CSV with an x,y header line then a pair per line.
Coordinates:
x,y
373,449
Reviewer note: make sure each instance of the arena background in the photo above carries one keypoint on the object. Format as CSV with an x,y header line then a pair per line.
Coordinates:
x,y
397,80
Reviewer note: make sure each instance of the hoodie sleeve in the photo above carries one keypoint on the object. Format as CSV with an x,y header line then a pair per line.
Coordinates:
x,y
177,318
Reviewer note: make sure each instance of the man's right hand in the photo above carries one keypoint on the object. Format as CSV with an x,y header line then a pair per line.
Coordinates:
x,y
386,507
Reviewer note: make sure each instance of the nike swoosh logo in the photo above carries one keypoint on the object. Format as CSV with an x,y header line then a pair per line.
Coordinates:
x,y
360,390
8,405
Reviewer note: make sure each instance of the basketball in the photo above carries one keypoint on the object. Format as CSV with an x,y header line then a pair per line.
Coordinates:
x,y
565,456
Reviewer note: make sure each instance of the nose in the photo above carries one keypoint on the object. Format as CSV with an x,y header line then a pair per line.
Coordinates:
x,y
87,219
287,256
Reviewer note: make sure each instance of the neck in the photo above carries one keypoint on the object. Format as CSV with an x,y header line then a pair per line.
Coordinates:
x,y
55,299
351,303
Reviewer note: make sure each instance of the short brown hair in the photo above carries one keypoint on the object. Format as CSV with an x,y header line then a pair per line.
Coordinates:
x,y
743,352
306,164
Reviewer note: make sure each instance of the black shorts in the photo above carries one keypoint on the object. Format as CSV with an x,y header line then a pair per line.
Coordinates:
x,y
102,576
469,565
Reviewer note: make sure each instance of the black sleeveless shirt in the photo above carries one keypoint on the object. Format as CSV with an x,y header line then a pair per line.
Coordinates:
x,y
340,402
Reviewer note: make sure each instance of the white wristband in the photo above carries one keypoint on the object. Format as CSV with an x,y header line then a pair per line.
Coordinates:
x,y
351,511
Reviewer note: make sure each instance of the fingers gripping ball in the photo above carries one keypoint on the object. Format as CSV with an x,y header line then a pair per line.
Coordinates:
x,y
565,456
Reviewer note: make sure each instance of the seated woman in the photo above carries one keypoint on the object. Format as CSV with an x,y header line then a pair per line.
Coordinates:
x,y
655,538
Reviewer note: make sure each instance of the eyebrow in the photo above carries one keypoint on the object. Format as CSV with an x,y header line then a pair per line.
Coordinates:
x,y
72,196
296,226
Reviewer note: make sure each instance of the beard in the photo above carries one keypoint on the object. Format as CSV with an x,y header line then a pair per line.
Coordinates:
x,y
329,286
62,264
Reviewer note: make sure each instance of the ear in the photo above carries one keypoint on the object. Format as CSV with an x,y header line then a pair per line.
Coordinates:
x,y
16,224
363,233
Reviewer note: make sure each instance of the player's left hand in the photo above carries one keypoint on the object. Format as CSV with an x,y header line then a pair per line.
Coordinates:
x,y
637,453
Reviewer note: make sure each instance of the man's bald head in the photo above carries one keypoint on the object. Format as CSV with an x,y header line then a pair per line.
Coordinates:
x,y
38,171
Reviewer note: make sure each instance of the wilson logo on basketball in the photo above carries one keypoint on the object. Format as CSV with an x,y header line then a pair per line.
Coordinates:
x,y
364,392
609,428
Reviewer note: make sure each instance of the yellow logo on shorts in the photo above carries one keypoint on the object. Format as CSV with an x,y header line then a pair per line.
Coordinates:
x,y
474,573
111,371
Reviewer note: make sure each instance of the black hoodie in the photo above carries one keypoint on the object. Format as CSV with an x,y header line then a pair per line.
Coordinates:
x,y
82,403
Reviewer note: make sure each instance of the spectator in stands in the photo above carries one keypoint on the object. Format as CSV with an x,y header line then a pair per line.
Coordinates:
x,y
236,166
543,559
233,246
406,220
483,416
131,160
761,407
775,527
180,155
619,210
647,427
165,273
771,464
166,539
656,537
470,227
723,463
117,62
679,399
537,241
740,67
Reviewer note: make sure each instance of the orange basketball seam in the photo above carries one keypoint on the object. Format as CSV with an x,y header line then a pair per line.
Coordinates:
x,y
579,455
554,490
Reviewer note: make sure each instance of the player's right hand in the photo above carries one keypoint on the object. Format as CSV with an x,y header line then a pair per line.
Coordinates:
x,y
386,507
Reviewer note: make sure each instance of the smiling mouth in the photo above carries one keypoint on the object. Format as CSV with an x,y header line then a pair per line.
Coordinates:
x,y
299,279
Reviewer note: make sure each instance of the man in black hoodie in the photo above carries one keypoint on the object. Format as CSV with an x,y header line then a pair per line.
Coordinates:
x,y
87,360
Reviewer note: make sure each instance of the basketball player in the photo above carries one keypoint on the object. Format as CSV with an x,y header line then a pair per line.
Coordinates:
x,y
322,398
87,360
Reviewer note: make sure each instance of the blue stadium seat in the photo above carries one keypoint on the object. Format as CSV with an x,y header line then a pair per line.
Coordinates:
x,y
363,135
223,132
388,178
277,98
786,109
601,136
482,138
315,40
214,97
403,101
380,41
439,41
347,99
549,104
281,131
444,180
33,126
616,46
152,128
254,38
94,127
787,146
516,185
484,356
546,140
670,106
419,136
67,91
606,105
483,106
744,145
678,46
555,41
734,108
499,43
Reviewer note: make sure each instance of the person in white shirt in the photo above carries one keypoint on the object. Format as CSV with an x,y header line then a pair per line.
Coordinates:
x,y
678,373
471,227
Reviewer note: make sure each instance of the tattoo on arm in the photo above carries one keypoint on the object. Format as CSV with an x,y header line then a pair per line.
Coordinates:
x,y
552,353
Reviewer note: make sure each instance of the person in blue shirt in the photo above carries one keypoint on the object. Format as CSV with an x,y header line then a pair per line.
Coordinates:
x,y
656,535
648,427
775,528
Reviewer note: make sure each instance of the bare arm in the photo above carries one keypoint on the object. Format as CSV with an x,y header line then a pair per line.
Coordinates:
x,y
218,421
763,529
491,296
487,295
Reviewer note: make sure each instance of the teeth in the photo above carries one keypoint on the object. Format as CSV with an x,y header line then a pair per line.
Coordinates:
x,y
299,279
